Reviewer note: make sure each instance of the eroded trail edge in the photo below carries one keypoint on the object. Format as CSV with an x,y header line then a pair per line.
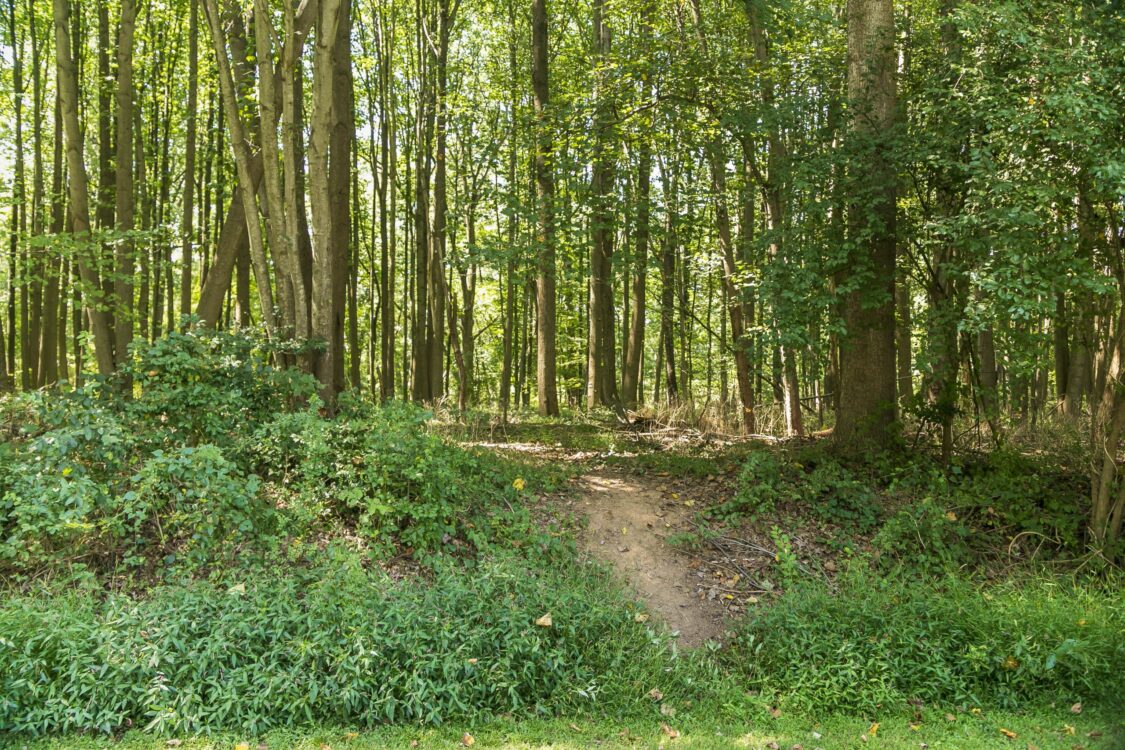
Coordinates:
x,y
630,519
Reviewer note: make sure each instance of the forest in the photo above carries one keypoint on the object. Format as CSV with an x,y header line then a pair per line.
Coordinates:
x,y
501,373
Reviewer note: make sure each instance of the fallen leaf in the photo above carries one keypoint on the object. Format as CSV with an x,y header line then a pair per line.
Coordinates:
x,y
656,695
349,736
575,727
951,516
1008,733
325,746
242,746
873,729
544,622
915,727
669,731
666,709
1030,746
1068,729
950,717
775,712
1094,734
467,740
640,617
1076,708
473,661
774,746
975,711
173,743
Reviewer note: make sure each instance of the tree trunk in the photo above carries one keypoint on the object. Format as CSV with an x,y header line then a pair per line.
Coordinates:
x,y
67,77
546,374
124,208
867,352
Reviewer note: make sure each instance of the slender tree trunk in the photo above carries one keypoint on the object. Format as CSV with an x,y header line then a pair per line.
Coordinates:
x,y
545,297
602,385
124,207
187,222
67,77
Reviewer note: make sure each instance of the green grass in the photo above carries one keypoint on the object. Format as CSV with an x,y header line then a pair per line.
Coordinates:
x,y
706,728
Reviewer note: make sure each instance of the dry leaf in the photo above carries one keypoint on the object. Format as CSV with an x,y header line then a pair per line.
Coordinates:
x,y
1068,729
1076,708
950,717
467,740
473,661
545,621
242,746
349,736
873,729
666,709
1094,734
656,695
1030,746
1008,733
915,727
575,727
774,746
672,733
775,712
325,746
640,617
173,743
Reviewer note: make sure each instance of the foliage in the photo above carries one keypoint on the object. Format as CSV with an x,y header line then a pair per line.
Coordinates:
x,y
207,385
814,481
330,644
197,502
923,537
880,642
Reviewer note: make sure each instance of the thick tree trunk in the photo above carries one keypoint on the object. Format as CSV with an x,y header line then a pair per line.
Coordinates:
x,y
867,352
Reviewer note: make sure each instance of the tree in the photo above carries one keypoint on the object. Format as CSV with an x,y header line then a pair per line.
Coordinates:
x,y
867,353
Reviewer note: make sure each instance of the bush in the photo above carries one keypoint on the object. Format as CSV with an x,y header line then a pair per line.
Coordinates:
x,y
207,385
923,537
333,645
194,503
879,643
384,473
819,483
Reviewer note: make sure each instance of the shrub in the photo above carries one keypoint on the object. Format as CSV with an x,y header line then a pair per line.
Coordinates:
x,y
333,645
881,643
207,385
923,537
383,472
194,503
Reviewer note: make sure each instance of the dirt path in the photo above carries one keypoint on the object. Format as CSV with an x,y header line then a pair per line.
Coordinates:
x,y
630,518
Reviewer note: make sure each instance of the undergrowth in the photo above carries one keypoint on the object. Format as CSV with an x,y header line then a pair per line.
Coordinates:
x,y
879,642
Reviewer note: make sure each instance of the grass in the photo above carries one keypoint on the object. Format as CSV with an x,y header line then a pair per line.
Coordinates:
x,y
705,728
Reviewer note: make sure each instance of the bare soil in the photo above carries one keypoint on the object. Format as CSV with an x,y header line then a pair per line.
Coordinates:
x,y
630,519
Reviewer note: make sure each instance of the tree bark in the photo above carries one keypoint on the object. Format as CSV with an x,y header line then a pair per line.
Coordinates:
x,y
867,352
67,77
545,297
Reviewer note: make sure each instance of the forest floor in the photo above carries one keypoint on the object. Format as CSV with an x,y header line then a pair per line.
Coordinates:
x,y
635,503
630,520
